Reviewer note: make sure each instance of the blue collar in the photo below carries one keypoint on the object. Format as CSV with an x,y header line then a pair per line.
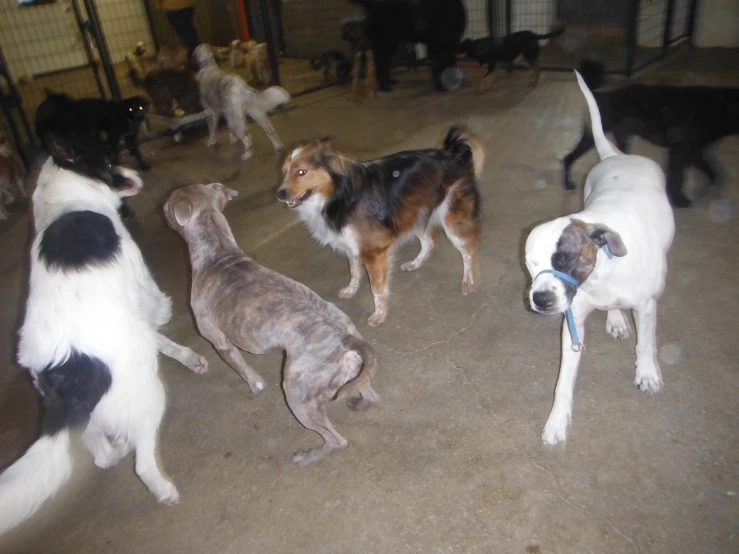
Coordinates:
x,y
576,344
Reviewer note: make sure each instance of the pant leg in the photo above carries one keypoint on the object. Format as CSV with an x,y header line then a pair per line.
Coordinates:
x,y
183,23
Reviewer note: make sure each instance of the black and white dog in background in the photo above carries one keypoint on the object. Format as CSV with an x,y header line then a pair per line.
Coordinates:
x,y
89,338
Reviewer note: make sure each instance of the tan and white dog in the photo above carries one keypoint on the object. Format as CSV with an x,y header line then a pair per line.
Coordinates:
x,y
610,256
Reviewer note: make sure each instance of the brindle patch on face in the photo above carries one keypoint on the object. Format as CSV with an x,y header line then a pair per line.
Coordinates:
x,y
576,254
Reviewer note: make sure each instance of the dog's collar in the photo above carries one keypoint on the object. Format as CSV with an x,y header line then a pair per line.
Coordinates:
x,y
576,344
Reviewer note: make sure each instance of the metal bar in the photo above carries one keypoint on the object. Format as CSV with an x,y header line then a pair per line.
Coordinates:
x,y
14,98
490,6
270,40
691,21
97,32
668,26
633,14
150,21
508,16
88,51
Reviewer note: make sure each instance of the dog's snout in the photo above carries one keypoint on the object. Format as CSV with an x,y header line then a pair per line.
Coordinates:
x,y
282,194
544,300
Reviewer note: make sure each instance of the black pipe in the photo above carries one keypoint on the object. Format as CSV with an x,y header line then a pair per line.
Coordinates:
x,y
508,16
633,14
88,51
270,40
490,18
150,20
668,26
691,21
97,32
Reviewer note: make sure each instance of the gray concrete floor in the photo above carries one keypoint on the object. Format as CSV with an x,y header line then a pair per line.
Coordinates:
x,y
452,461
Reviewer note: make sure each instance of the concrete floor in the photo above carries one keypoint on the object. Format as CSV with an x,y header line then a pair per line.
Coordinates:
x,y
452,462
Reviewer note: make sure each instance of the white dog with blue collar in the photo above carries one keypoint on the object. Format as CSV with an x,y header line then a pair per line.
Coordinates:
x,y
610,256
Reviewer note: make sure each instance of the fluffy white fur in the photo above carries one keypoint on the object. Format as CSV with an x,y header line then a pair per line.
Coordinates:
x,y
626,193
228,94
111,312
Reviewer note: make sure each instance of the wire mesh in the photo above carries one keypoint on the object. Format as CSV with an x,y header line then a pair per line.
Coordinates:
x,y
47,46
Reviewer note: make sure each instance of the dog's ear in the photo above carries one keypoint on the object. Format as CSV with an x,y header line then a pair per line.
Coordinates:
x,y
59,148
231,193
326,141
182,209
604,235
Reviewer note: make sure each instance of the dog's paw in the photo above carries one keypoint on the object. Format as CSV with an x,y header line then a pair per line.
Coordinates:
x,y
377,318
197,363
648,380
167,494
468,285
211,142
616,325
247,154
411,266
257,385
555,429
348,292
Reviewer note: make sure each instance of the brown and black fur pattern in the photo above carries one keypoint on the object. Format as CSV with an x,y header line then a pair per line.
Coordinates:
x,y
365,209
490,52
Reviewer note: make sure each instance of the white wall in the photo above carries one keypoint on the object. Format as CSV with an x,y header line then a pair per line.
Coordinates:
x,y
717,23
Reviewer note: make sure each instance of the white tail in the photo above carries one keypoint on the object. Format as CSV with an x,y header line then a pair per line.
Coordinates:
x,y
25,485
272,97
604,147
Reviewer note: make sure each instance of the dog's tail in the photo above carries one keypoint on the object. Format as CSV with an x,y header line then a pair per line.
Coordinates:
x,y
359,392
25,485
592,72
272,97
605,148
555,33
465,148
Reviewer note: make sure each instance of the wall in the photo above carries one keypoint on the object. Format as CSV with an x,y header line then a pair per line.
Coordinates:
x,y
717,23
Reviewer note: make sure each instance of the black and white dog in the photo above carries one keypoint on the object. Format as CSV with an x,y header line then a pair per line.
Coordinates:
x,y
89,338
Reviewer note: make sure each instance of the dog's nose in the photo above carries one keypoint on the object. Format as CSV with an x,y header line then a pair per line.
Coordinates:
x,y
544,299
282,194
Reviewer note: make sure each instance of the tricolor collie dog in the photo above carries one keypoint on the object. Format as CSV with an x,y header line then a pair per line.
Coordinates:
x,y
89,337
610,256
364,209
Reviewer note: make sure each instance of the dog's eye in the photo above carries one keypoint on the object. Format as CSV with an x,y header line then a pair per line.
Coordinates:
x,y
301,172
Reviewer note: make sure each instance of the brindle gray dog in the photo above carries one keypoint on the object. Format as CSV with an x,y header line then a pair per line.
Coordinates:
x,y
238,303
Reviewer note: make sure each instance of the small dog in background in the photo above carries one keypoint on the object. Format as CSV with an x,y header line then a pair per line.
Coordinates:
x,y
239,304
89,337
11,175
254,57
490,52
365,209
353,31
228,94
335,60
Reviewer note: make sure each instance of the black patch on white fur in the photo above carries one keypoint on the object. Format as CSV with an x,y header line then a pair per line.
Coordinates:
x,y
78,239
71,391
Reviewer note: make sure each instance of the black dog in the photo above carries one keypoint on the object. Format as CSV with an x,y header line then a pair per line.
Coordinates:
x,y
333,59
94,117
439,24
686,120
491,52
83,122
